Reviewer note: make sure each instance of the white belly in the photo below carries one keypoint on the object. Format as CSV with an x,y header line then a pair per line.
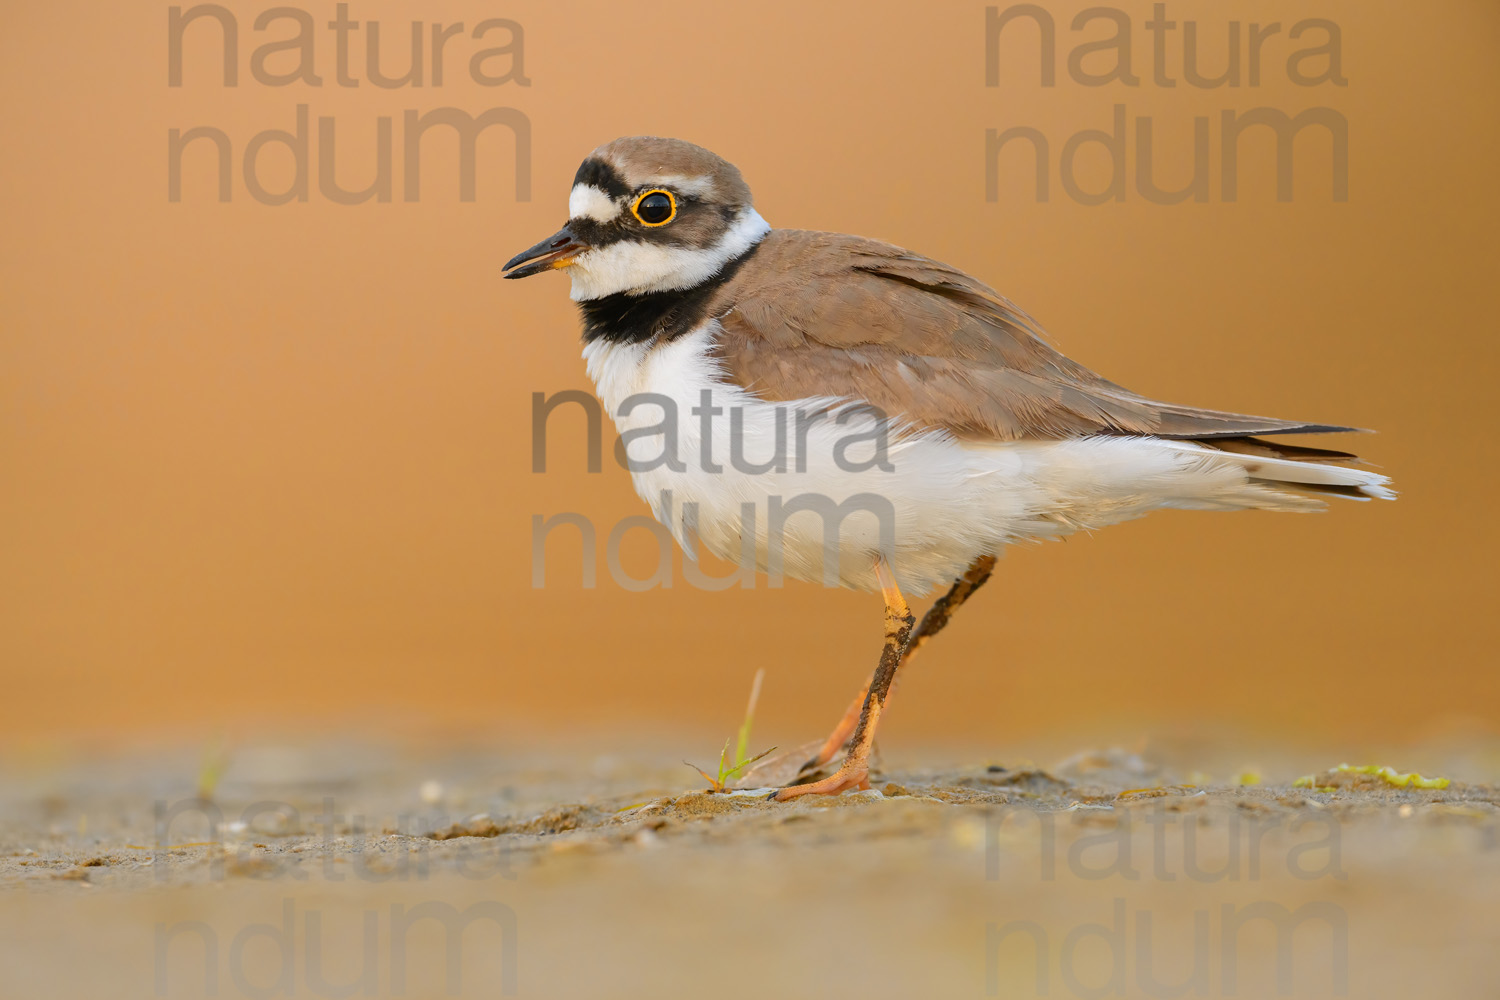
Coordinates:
x,y
932,504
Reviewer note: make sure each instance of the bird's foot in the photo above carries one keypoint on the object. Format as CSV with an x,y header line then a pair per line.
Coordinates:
x,y
812,770
846,777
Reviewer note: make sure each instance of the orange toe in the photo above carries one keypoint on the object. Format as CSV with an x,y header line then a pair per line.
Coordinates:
x,y
841,780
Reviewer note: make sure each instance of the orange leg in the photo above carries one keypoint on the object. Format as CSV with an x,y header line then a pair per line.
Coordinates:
x,y
842,731
854,772
932,623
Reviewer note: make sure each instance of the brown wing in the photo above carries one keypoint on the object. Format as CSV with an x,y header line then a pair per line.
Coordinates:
x,y
821,314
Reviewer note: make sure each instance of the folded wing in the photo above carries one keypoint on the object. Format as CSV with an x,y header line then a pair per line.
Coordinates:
x,y
843,316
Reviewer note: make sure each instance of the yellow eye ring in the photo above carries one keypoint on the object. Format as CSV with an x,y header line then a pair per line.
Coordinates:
x,y
653,217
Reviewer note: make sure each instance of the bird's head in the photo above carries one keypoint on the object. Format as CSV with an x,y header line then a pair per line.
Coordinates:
x,y
647,215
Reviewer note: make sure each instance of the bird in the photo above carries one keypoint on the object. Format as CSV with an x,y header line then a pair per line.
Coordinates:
x,y
837,409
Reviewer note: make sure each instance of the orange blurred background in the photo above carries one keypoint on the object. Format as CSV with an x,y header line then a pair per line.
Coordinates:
x,y
271,465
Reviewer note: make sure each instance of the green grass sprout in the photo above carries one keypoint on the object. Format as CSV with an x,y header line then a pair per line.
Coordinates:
x,y
729,772
743,743
215,762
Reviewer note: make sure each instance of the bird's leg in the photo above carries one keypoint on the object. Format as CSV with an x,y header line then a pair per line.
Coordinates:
x,y
841,732
854,772
932,623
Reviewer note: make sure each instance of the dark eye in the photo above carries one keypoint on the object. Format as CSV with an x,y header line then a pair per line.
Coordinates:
x,y
655,208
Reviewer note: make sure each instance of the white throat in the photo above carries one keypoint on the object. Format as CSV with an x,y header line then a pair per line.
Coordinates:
x,y
639,268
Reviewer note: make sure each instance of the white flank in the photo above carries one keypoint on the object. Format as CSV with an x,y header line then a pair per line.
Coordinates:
x,y
944,501
628,266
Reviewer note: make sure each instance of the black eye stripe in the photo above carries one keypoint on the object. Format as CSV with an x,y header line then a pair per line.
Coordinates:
x,y
591,231
626,229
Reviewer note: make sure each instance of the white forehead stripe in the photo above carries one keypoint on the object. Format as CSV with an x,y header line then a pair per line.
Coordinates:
x,y
700,187
589,202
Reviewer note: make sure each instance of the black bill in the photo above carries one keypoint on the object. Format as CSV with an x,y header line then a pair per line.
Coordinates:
x,y
557,250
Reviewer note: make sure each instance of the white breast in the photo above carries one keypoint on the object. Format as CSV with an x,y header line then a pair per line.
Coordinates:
x,y
934,504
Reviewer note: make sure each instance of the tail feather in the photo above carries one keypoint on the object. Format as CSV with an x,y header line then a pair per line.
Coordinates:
x,y
1361,492
1279,449
1302,470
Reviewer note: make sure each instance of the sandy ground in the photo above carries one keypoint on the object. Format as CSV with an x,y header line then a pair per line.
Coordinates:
x,y
481,872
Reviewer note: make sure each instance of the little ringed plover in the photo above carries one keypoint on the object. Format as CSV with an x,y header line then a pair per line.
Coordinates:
x,y
834,408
